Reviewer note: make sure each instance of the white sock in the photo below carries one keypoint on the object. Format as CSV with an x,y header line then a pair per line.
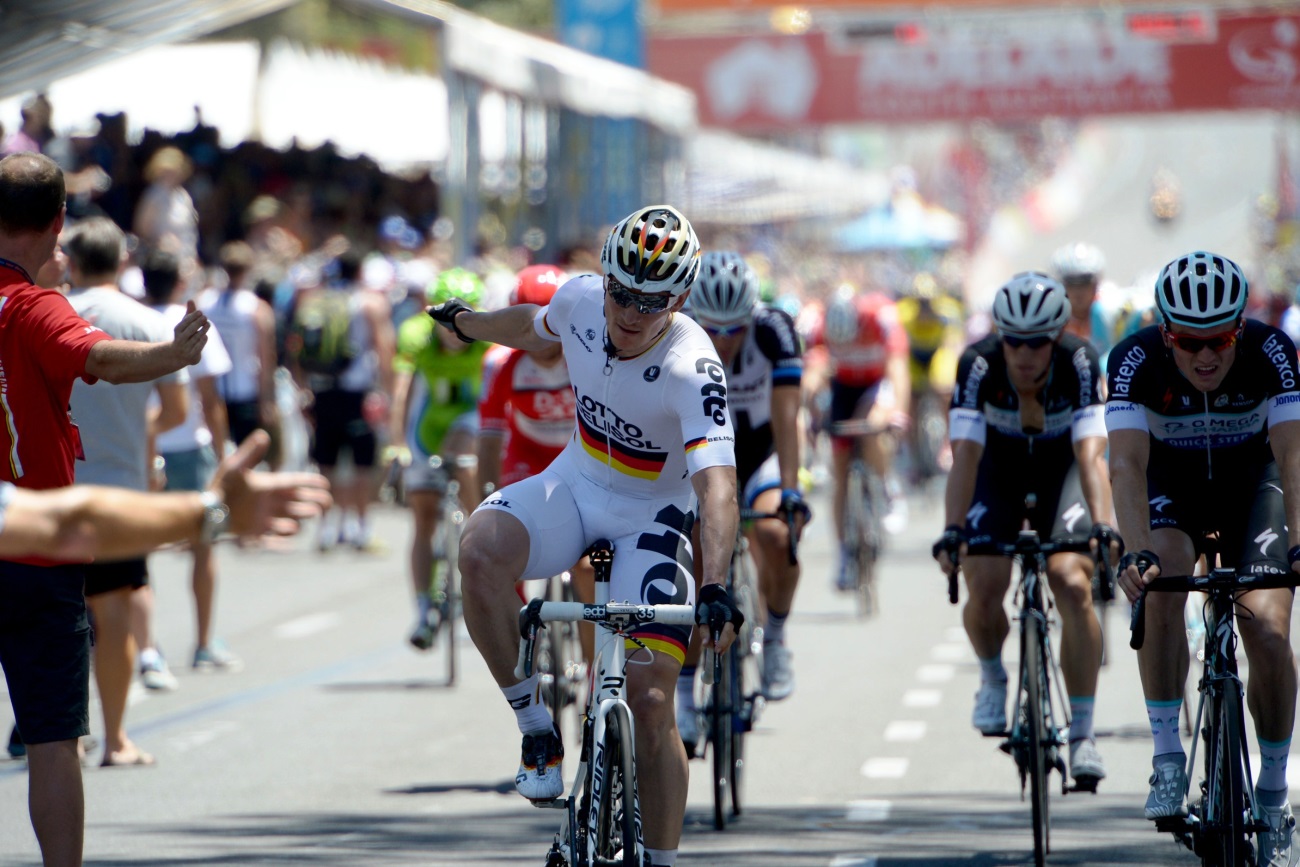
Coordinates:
x,y
526,700
992,670
1165,717
149,656
686,688
1081,717
1272,767
662,857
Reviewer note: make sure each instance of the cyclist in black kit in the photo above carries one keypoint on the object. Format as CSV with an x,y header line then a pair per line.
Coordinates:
x,y
1202,442
1027,418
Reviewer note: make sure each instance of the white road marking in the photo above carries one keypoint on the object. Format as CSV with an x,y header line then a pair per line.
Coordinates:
x,y
853,861
905,730
309,624
922,698
956,635
884,768
935,672
868,811
952,652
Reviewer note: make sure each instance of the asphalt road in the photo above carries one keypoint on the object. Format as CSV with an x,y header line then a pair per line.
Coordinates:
x,y
339,745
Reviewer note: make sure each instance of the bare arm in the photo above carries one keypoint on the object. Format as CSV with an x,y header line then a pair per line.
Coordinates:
x,y
509,326
1285,440
214,412
899,374
1094,476
83,522
785,432
119,361
1129,452
381,326
719,517
264,319
173,406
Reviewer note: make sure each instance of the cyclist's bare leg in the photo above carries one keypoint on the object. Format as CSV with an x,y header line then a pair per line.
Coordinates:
x,y
660,756
1266,636
841,456
985,615
425,513
770,538
494,551
1163,659
1070,577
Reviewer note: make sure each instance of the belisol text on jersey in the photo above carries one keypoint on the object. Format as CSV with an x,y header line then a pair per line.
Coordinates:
x,y
604,419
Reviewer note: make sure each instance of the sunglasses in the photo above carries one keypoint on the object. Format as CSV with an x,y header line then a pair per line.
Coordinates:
x,y
1214,343
723,330
1032,342
644,302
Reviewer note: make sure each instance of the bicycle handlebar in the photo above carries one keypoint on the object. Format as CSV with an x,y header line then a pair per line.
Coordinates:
x,y
1026,545
1218,579
625,614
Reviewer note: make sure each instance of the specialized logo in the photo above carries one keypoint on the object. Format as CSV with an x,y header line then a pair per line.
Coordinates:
x,y
1160,502
1072,516
975,515
651,373
1266,538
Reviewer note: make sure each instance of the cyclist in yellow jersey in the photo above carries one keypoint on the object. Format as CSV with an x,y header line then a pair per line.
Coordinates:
x,y
936,337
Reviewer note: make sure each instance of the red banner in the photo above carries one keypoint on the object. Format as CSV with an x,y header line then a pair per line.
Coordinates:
x,y
1071,69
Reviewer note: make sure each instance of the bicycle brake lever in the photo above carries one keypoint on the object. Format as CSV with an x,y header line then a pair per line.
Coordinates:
x,y
1138,623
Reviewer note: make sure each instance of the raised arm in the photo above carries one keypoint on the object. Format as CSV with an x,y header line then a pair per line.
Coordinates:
x,y
509,326
119,361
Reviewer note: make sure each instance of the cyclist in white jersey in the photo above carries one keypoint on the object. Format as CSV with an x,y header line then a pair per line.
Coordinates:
x,y
653,438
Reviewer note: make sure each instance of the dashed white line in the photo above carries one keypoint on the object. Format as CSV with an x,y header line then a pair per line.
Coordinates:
x,y
935,672
905,730
309,624
853,861
922,698
884,768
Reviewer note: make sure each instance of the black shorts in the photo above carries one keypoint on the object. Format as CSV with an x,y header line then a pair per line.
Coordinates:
x,y
107,577
998,507
1246,514
339,420
45,650
244,417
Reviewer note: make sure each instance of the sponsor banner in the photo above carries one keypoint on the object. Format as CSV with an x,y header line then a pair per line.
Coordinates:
x,y
1074,67
605,28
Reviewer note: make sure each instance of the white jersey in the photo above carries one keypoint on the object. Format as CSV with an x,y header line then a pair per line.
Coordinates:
x,y
234,313
645,424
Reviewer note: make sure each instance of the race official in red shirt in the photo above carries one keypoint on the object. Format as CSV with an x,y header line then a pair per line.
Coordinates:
x,y
44,348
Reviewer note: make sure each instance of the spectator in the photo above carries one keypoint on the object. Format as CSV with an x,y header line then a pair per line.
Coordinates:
x,y
247,326
165,217
35,130
118,430
341,344
44,632
190,452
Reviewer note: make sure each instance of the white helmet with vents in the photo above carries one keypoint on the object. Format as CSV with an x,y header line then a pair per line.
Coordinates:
x,y
1201,290
1078,262
653,250
726,290
1031,304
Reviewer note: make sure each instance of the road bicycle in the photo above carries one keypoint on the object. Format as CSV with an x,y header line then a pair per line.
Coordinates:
x,y
865,505
444,574
1103,594
602,815
558,658
1040,720
1220,825
734,699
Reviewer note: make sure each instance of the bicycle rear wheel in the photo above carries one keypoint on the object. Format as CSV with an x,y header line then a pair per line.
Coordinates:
x,y
618,841
861,544
1040,765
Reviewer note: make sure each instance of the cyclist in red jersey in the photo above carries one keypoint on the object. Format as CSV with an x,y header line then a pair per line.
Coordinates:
x,y
526,409
863,352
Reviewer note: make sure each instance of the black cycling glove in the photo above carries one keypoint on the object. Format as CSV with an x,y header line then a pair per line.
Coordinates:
x,y
716,609
445,315
1105,534
1144,560
951,541
792,503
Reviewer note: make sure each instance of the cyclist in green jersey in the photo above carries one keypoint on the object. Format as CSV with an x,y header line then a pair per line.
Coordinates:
x,y
435,415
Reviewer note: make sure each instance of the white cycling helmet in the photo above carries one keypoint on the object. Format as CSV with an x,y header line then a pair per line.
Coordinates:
x,y
841,324
1201,290
1031,304
726,290
653,250
1078,261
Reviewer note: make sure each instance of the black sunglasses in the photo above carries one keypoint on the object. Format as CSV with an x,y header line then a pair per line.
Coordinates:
x,y
645,302
1032,342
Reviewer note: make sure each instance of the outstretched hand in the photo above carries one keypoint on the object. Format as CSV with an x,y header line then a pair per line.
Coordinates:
x,y
191,334
263,503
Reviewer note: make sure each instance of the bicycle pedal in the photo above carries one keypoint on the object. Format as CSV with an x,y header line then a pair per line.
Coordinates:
x,y
1085,784
553,804
1173,824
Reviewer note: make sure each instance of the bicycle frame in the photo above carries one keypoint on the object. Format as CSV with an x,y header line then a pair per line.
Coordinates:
x,y
1221,691
576,840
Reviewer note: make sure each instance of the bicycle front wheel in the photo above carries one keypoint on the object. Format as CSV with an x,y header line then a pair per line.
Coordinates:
x,y
721,712
1226,839
618,841
1035,674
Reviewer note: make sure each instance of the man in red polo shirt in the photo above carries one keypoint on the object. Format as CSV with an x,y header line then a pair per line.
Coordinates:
x,y
44,348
